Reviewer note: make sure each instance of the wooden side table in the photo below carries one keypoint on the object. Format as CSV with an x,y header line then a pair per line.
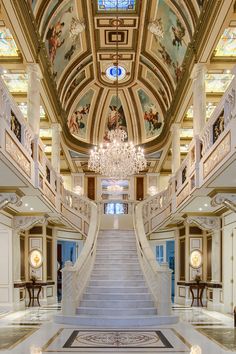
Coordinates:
x,y
200,288
34,290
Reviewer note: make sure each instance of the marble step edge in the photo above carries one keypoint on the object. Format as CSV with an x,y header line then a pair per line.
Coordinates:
x,y
107,322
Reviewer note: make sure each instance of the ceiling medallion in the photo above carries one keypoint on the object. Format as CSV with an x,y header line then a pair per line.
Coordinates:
x,y
115,72
117,22
117,159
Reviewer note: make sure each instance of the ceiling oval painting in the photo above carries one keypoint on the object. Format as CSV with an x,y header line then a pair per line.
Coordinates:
x,y
115,117
152,117
171,46
63,43
77,122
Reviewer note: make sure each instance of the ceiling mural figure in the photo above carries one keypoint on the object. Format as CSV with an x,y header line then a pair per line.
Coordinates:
x,y
116,117
78,121
152,120
171,47
61,42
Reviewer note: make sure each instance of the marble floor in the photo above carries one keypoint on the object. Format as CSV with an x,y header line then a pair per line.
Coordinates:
x,y
33,332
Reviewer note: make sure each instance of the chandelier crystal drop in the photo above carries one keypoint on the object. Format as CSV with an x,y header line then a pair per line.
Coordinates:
x,y
117,159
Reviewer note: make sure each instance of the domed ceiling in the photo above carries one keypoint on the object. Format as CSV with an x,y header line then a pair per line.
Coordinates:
x,y
81,39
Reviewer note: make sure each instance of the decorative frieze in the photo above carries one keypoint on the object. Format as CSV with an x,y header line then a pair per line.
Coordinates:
x,y
205,222
26,222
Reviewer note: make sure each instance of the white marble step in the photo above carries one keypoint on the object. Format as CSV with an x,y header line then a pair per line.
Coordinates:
x,y
107,322
116,272
119,276
94,311
118,262
116,290
116,248
117,256
116,283
117,304
128,297
114,266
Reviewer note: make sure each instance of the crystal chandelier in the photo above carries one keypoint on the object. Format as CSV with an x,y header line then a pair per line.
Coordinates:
x,y
155,27
117,158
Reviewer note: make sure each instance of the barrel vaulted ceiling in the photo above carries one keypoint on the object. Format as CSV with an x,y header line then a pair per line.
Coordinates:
x,y
81,40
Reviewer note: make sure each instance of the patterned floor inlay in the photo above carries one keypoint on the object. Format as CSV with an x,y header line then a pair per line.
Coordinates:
x,y
12,336
224,337
164,340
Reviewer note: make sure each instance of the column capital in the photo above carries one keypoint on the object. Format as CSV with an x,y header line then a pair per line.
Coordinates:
x,y
34,68
205,222
175,127
199,68
9,198
226,199
56,126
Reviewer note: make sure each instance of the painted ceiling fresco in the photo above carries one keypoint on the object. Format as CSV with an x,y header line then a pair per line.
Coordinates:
x,y
115,117
82,39
170,48
78,121
61,45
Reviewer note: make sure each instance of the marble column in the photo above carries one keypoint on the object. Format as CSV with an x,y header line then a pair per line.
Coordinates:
x,y
216,257
175,130
33,97
199,98
56,146
16,256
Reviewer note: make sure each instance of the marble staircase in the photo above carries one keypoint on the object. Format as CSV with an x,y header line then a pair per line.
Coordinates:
x,y
117,295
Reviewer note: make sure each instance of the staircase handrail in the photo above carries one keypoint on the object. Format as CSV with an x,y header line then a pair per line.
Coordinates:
x,y
75,277
158,276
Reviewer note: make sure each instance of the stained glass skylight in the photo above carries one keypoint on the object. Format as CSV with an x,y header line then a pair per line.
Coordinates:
x,y
227,43
111,5
16,82
218,82
8,46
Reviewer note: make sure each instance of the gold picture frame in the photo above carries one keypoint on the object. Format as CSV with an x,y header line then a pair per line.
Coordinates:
x,y
35,258
196,259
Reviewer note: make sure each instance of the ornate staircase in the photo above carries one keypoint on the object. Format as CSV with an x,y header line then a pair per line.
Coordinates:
x,y
116,294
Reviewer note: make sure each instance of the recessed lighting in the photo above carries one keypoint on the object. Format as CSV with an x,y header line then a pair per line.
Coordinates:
x,y
31,208
26,204
205,205
5,71
200,209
